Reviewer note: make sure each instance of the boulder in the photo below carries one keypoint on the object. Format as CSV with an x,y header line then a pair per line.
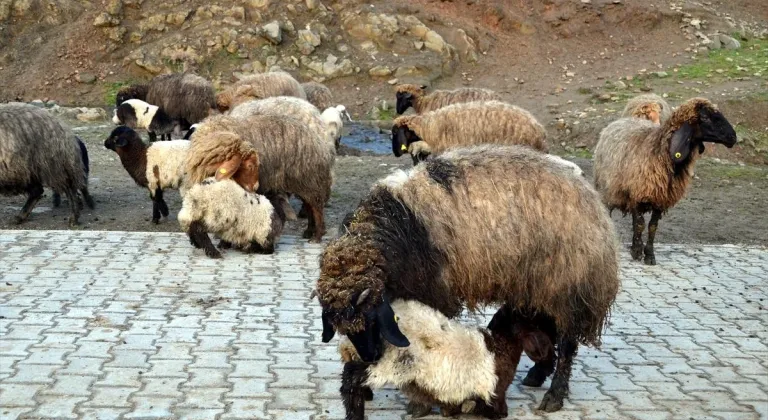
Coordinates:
x,y
380,71
104,20
272,32
307,41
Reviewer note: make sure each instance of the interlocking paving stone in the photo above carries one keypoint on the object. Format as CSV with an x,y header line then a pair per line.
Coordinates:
x,y
160,331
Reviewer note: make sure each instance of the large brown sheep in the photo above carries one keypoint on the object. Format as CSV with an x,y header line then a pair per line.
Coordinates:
x,y
409,95
259,86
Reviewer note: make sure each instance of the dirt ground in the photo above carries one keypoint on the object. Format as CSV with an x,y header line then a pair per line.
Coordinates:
x,y
726,203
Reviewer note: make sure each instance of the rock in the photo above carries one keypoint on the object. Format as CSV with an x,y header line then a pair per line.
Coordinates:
x,y
153,23
604,97
115,34
92,114
380,29
392,81
727,42
342,48
586,1
620,85
696,23
307,41
419,45
380,71
464,45
105,20
661,74
434,42
272,32
151,64
312,4
178,18
570,74
257,4
115,7
38,103
85,77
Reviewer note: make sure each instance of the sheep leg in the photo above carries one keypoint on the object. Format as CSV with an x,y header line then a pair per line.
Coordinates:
x,y
650,255
352,390
304,212
34,193
417,409
282,201
450,410
88,199
315,224
74,206
256,248
56,199
225,244
198,236
539,373
152,137
158,206
553,399
638,225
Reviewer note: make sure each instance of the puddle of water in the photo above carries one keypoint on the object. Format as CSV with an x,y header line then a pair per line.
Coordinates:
x,y
368,138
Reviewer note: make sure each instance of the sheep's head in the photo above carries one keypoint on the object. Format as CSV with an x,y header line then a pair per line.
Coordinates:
x,y
402,136
523,331
701,122
120,137
224,101
343,112
406,94
243,169
130,92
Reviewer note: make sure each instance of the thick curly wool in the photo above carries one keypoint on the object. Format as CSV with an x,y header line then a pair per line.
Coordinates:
x,y
227,210
318,94
423,102
485,225
259,86
632,164
185,97
647,106
446,359
218,139
476,123
573,168
286,105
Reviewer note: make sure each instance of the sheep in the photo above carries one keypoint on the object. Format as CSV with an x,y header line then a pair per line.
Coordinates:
x,y
86,167
318,94
292,159
415,96
156,167
242,219
572,167
642,167
466,124
136,113
38,151
648,106
185,97
259,86
459,368
476,226
332,117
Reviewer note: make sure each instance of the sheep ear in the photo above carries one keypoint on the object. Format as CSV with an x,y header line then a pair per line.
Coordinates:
x,y
328,331
680,144
537,345
388,325
227,168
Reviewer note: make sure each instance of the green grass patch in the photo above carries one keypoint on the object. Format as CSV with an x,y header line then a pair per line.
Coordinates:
x,y
727,171
581,152
585,91
110,91
387,114
751,60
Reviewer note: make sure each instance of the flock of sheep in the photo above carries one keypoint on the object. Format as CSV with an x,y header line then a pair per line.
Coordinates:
x,y
485,217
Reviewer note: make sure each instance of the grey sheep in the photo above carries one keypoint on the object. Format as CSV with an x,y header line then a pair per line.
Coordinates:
x,y
476,226
642,167
37,151
259,86
318,95
185,97
409,95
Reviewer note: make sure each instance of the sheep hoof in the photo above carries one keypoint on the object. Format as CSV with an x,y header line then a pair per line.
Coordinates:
x,y
534,378
368,394
551,403
308,234
636,252
417,410
19,220
73,222
156,220
213,253
650,260
468,407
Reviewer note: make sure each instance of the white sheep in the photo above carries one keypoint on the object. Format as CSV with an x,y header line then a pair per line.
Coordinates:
x,y
157,167
333,119
244,220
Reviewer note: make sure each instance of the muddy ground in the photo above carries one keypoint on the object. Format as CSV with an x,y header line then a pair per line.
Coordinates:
x,y
726,203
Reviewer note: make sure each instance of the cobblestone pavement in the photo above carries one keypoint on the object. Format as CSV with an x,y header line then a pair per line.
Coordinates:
x,y
139,325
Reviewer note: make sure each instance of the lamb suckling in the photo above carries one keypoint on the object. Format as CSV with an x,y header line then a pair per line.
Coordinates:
x,y
318,94
642,167
466,124
185,97
241,219
332,117
38,151
292,159
409,95
461,369
259,86
135,113
156,167
440,234
648,106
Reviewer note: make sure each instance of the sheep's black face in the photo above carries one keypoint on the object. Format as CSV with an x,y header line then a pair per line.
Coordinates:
x,y
404,101
399,141
119,137
714,128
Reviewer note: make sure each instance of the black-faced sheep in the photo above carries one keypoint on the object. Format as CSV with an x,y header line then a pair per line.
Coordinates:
x,y
156,167
185,97
642,167
37,151
467,124
648,106
408,95
458,368
291,157
318,94
135,113
476,226
241,219
259,86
